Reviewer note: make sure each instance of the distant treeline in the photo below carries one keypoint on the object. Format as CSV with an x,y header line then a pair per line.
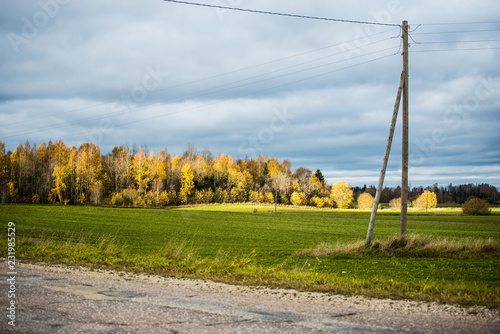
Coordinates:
x,y
444,194
59,173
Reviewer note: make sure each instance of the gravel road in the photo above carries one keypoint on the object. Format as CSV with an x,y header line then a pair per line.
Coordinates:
x,y
62,300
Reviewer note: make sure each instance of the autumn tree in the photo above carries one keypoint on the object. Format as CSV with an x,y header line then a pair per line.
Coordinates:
x,y
240,183
23,168
61,177
174,175
221,166
117,166
427,200
302,176
63,172
88,170
187,184
315,185
43,173
283,182
342,194
156,172
201,171
5,167
298,198
476,206
139,171
365,201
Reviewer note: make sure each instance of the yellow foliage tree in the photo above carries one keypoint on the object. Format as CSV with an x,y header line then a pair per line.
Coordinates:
x,y
342,195
5,167
256,197
87,165
140,170
269,198
156,172
315,185
298,198
60,175
365,201
240,183
296,186
187,184
427,200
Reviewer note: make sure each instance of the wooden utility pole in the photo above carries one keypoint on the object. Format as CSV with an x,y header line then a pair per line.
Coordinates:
x,y
384,163
402,90
404,176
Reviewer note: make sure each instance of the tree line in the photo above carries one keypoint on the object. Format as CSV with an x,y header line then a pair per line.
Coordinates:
x,y
458,194
57,172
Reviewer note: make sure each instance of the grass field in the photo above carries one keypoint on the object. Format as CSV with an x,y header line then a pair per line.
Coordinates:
x,y
248,244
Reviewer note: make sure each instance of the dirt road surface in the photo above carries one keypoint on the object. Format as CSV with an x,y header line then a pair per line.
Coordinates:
x,y
60,300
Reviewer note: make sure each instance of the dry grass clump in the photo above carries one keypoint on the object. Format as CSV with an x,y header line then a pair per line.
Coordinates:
x,y
411,246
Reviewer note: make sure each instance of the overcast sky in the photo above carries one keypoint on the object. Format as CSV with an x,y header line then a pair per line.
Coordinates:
x,y
319,93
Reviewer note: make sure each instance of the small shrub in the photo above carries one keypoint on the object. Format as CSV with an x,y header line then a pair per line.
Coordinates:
x,y
35,199
395,203
476,206
164,199
269,198
321,202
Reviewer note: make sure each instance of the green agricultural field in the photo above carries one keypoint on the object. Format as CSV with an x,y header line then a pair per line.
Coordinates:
x,y
248,244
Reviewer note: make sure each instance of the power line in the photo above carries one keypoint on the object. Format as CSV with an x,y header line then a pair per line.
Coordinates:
x,y
257,92
455,32
282,14
209,91
451,50
458,23
459,42
15,134
215,76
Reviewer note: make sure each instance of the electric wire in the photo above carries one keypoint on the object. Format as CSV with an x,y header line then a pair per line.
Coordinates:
x,y
76,122
207,78
205,92
458,42
458,23
211,90
452,50
254,93
282,14
455,32
14,134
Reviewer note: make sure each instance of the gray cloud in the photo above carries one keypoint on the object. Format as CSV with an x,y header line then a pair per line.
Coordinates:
x,y
166,75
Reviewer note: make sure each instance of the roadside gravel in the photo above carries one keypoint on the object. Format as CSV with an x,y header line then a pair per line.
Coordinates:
x,y
352,302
